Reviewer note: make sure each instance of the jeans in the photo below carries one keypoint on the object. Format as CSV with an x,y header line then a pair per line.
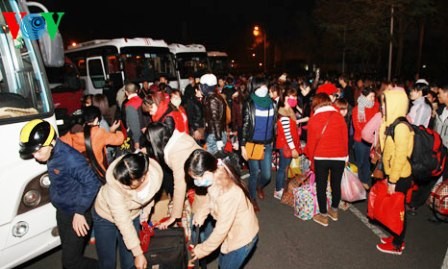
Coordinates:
x,y
282,171
260,171
362,156
73,246
107,237
210,141
204,232
235,259
335,169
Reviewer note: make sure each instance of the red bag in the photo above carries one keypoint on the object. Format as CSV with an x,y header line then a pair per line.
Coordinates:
x,y
387,209
287,152
145,235
228,147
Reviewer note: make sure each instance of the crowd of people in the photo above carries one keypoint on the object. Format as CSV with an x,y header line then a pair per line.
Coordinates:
x,y
119,157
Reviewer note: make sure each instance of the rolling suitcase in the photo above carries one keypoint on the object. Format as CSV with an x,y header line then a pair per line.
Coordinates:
x,y
167,249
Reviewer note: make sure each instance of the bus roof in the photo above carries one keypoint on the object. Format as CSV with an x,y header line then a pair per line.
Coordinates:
x,y
180,48
120,42
216,54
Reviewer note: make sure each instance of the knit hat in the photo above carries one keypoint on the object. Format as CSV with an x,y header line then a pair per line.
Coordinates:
x,y
328,88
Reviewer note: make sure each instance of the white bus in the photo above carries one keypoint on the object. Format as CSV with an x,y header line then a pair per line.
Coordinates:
x,y
191,60
219,62
27,218
120,60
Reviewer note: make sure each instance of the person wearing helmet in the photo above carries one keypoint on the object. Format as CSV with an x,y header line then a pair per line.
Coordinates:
x,y
214,114
73,188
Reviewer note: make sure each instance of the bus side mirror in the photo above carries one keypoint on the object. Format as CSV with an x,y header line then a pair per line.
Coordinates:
x,y
52,50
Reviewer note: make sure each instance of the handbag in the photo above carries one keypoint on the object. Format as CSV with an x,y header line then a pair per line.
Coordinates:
x,y
287,152
255,151
294,182
145,235
352,189
305,199
388,209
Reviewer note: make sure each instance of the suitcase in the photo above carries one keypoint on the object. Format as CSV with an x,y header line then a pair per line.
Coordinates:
x,y
167,249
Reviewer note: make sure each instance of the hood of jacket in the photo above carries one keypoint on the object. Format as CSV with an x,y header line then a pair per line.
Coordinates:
x,y
396,104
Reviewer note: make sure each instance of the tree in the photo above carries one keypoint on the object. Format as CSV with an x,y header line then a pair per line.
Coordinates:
x,y
365,24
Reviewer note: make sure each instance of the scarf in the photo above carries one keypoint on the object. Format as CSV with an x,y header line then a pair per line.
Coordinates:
x,y
363,103
263,102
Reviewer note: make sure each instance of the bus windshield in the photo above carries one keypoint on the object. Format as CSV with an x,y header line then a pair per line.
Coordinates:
x,y
144,63
23,91
192,64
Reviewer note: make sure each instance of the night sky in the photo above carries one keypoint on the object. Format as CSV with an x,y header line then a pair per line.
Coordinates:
x,y
219,25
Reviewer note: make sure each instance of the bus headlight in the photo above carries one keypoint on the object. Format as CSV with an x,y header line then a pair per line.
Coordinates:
x,y
20,229
45,181
31,198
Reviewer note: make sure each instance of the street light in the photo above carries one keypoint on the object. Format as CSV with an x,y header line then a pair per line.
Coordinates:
x,y
258,32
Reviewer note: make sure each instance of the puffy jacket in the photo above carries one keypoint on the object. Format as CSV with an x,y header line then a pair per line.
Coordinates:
x,y
397,150
215,115
74,185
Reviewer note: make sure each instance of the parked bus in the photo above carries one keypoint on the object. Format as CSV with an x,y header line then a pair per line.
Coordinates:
x,y
191,60
27,218
120,60
219,62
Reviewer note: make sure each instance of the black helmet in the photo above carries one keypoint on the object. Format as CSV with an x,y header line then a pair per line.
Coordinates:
x,y
34,135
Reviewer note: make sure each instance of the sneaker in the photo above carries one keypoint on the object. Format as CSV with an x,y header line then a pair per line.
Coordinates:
x,y
278,194
333,214
389,248
388,240
321,219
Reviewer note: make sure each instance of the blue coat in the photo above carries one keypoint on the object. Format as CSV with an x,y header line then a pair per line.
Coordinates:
x,y
74,184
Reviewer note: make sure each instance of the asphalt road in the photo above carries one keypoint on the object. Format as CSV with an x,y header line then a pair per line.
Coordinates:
x,y
287,242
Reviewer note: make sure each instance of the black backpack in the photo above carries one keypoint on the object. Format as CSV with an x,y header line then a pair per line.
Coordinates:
x,y
428,155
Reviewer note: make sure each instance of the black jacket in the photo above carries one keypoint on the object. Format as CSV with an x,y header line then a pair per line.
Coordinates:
x,y
249,121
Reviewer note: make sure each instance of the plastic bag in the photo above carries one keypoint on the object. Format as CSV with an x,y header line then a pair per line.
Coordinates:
x,y
352,189
294,168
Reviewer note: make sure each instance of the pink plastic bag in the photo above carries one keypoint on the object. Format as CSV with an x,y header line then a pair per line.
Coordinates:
x,y
352,189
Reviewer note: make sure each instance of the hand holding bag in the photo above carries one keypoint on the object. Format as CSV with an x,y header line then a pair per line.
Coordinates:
x,y
388,209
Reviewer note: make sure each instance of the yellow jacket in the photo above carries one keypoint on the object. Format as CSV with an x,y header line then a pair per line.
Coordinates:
x,y
396,151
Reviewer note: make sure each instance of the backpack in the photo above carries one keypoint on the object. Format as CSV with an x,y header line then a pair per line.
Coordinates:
x,y
428,155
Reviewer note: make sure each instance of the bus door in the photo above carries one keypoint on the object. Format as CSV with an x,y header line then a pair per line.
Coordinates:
x,y
96,75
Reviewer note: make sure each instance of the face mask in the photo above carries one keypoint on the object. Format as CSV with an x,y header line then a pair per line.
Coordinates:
x,y
176,102
205,181
292,102
262,91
